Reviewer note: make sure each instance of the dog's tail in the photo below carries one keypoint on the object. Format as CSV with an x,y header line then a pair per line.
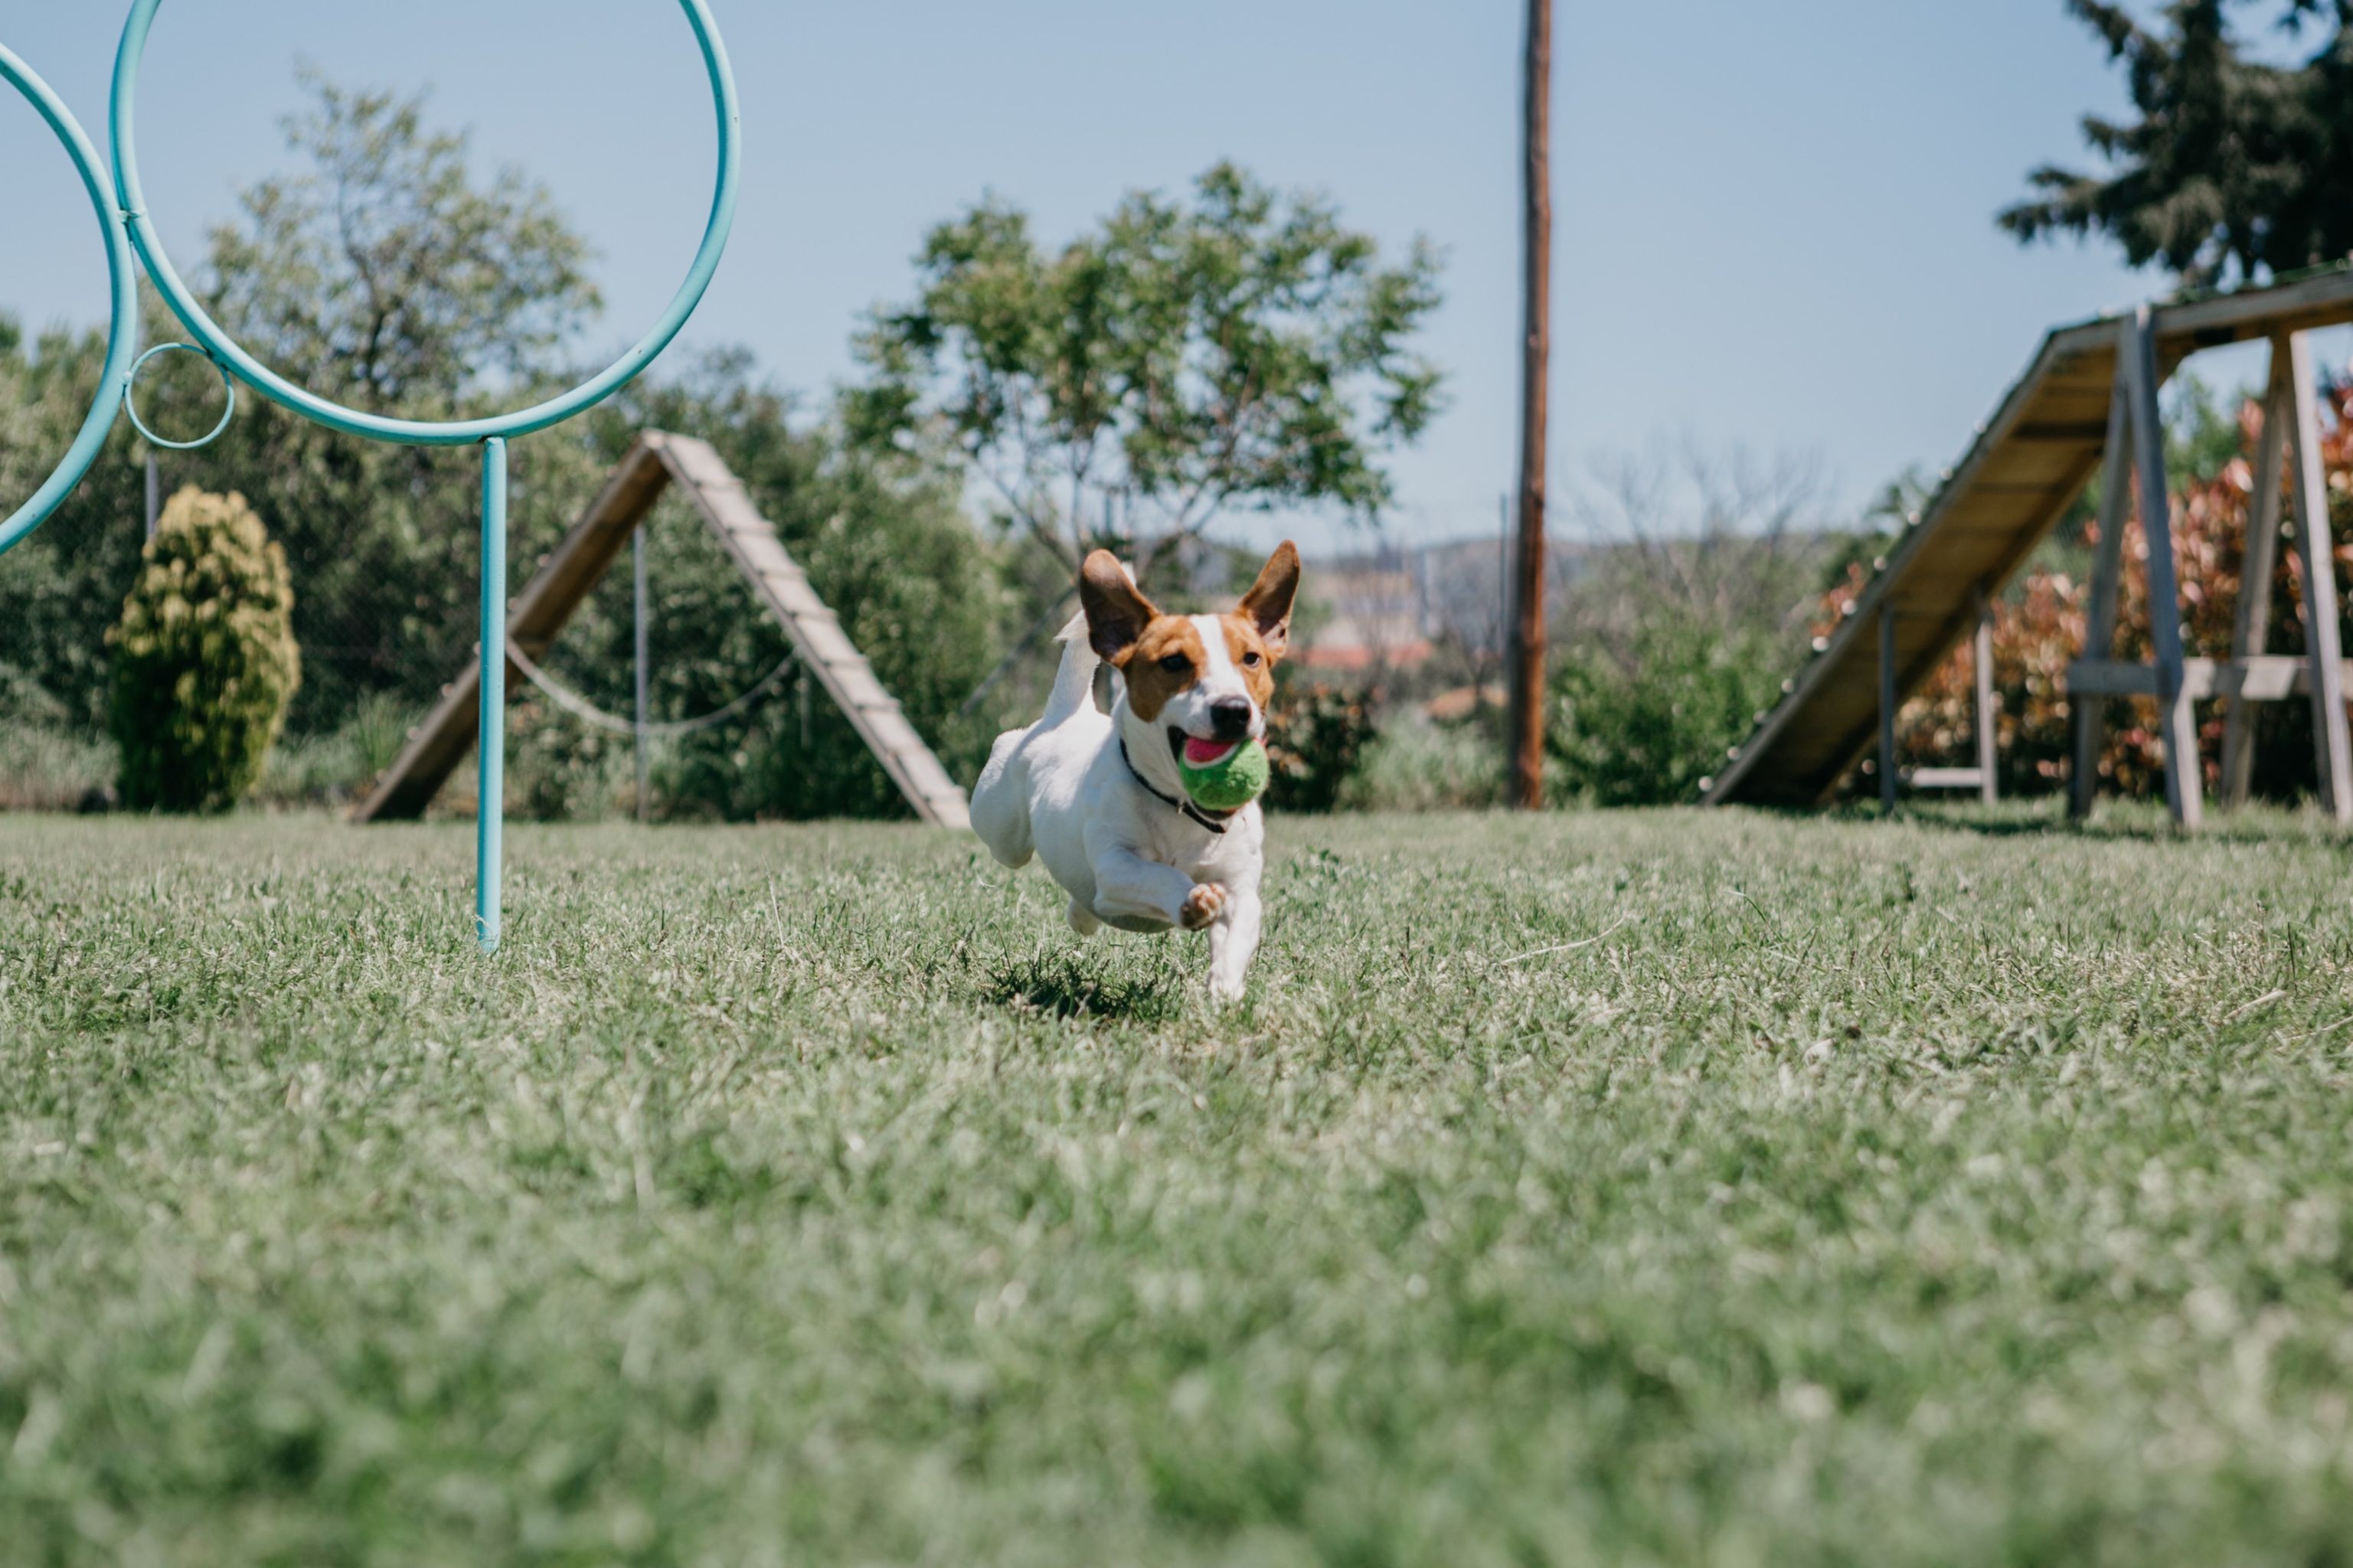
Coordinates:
x,y
1074,682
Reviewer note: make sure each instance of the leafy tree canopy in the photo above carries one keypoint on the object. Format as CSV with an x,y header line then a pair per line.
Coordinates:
x,y
1240,348
2233,168
384,273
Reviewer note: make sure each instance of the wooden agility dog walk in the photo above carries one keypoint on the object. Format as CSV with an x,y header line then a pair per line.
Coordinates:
x,y
652,463
2089,396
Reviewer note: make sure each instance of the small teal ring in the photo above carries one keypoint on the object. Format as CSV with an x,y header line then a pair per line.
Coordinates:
x,y
130,397
224,351
122,324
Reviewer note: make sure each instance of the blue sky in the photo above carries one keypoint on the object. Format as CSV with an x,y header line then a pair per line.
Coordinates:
x,y
1773,221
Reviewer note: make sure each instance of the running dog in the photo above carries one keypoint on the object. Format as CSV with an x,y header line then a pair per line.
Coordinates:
x,y
1098,796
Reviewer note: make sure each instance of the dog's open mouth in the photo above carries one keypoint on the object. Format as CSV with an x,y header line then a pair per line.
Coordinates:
x,y
1193,751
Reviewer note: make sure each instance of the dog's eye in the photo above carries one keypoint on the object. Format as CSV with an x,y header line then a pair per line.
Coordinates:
x,y
1176,664
1251,659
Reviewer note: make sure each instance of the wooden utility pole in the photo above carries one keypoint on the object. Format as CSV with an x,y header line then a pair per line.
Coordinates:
x,y
1527,642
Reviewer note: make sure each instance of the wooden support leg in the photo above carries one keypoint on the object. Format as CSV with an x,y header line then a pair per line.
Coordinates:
x,y
1887,709
2088,709
2252,627
2320,631
2184,791
1988,792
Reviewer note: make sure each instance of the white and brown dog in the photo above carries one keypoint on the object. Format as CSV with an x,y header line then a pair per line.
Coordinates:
x,y
1099,795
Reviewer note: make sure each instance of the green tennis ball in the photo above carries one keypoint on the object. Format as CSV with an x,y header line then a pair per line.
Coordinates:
x,y
1233,781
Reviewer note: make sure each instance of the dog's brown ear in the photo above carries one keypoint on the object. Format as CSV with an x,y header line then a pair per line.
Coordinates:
x,y
1268,603
1117,611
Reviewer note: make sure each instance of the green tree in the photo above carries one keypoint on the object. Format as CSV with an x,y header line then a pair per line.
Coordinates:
x,y
2233,167
384,274
885,542
60,589
1240,350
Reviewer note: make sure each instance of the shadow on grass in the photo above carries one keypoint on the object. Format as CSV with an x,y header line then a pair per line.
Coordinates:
x,y
1067,986
2002,822
1996,827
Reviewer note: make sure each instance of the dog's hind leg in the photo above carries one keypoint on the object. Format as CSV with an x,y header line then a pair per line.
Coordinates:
x,y
1000,801
1082,918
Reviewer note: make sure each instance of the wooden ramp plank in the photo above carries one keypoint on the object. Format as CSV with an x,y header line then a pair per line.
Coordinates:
x,y
2028,464
816,632
563,582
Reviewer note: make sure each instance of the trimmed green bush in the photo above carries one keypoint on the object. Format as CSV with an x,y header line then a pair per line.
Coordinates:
x,y
1420,765
1644,725
205,658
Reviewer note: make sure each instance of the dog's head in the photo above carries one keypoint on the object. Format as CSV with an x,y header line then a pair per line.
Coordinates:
x,y
1204,678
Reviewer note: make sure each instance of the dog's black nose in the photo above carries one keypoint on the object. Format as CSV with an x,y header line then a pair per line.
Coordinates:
x,y
1230,718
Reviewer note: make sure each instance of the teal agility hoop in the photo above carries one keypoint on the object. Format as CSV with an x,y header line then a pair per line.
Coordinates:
x,y
130,397
226,353
122,327
129,231
491,434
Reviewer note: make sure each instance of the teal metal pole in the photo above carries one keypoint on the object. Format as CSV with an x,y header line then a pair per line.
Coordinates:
x,y
489,813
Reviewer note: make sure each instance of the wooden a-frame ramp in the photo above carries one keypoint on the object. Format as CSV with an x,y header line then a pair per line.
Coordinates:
x,y
654,462
2089,396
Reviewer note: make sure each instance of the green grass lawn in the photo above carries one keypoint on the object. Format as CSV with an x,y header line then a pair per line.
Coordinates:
x,y
1645,1188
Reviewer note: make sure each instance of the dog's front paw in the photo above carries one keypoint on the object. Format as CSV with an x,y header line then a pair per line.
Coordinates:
x,y
1202,906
